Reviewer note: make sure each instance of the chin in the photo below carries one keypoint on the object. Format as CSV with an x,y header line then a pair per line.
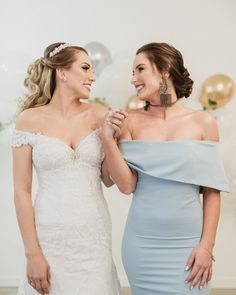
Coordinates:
x,y
142,97
84,95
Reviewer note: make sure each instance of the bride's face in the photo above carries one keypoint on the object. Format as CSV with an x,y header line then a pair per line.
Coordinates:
x,y
146,78
80,76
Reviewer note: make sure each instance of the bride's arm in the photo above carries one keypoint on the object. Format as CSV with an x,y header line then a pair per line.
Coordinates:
x,y
37,267
106,179
119,171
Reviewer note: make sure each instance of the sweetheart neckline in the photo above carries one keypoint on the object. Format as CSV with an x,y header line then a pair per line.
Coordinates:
x,y
61,140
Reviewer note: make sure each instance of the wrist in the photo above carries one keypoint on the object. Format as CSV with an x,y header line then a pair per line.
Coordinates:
x,y
33,253
108,139
207,250
207,244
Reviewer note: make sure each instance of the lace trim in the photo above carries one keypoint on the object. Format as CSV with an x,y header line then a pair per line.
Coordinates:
x,y
20,138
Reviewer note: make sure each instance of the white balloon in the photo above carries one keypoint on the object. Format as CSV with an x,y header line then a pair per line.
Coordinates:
x,y
99,55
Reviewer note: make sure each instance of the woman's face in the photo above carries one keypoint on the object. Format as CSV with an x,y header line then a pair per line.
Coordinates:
x,y
80,77
146,78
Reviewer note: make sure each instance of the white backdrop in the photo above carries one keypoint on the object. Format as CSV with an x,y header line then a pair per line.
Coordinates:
x,y
204,31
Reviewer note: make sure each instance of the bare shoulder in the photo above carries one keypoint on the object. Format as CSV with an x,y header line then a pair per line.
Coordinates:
x,y
134,118
30,119
208,125
135,115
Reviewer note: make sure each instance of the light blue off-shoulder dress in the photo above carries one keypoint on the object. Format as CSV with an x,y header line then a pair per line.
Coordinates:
x,y
165,218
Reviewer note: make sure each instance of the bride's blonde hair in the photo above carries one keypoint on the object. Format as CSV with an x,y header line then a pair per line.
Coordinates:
x,y
41,74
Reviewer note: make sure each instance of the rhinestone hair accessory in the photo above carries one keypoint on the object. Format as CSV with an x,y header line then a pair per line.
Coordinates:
x,y
58,49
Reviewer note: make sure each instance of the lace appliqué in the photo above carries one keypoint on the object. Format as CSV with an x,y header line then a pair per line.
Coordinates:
x,y
20,138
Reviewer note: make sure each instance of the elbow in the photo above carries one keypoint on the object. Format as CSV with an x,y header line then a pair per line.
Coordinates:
x,y
126,189
108,184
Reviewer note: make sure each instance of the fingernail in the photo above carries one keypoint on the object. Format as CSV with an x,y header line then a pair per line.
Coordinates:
x,y
187,268
191,288
186,281
200,287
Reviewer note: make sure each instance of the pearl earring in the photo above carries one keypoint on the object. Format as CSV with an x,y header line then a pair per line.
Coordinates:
x,y
64,78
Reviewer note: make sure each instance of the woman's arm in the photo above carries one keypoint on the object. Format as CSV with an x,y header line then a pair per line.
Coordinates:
x,y
211,215
106,179
22,175
201,258
211,197
118,169
37,267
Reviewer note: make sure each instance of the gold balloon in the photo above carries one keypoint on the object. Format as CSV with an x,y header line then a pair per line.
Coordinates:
x,y
134,103
216,91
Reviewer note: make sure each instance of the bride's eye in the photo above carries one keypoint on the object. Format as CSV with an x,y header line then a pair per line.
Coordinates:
x,y
140,69
85,68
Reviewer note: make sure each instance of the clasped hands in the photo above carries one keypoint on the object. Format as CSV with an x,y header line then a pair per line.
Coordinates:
x,y
113,122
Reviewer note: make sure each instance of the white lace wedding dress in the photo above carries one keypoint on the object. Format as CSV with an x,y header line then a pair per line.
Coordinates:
x,y
71,215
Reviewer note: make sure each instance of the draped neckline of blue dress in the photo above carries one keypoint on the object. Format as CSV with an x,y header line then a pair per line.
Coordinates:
x,y
170,141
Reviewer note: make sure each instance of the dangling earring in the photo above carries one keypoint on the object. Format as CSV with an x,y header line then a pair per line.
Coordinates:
x,y
64,78
165,93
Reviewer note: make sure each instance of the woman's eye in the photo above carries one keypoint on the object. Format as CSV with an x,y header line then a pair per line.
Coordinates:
x,y
85,68
140,69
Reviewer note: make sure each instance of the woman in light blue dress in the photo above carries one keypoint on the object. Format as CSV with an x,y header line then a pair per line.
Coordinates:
x,y
168,155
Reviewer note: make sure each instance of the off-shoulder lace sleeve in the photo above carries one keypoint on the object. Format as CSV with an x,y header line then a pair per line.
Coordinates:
x,y
20,138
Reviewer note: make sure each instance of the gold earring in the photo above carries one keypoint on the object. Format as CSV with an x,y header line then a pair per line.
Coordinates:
x,y
165,93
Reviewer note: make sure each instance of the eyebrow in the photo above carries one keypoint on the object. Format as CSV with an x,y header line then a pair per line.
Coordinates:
x,y
139,65
85,63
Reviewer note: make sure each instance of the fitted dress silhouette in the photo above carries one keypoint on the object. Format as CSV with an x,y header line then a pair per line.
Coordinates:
x,y
71,216
165,218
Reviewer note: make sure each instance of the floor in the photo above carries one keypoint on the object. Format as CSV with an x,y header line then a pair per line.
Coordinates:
x,y
12,291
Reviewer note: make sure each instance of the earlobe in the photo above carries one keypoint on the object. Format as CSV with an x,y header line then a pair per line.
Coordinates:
x,y
166,75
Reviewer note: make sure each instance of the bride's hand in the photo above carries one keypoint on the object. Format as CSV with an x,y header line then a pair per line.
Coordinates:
x,y
113,123
38,273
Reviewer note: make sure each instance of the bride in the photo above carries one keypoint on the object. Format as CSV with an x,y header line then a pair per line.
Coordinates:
x,y
67,229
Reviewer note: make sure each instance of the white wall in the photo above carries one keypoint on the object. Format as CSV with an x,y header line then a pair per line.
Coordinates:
x,y
204,31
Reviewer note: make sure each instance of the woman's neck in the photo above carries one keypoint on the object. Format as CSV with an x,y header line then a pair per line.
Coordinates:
x,y
164,112
66,104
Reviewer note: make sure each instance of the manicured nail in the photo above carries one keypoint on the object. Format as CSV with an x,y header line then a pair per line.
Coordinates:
x,y
187,268
191,288
186,282
200,287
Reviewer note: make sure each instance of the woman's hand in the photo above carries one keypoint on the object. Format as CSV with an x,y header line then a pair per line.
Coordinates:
x,y
200,263
38,273
113,122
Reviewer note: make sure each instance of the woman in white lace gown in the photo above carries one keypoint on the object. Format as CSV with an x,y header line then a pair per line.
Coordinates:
x,y
67,230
